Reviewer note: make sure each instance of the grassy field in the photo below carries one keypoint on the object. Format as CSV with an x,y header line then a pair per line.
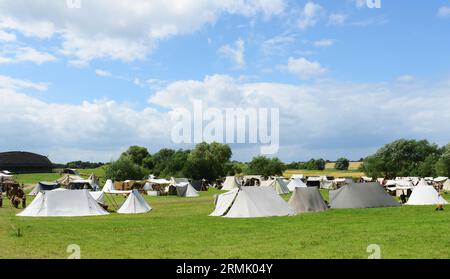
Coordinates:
x,y
327,172
181,228
354,166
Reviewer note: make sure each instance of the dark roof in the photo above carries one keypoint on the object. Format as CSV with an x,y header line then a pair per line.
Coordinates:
x,y
19,158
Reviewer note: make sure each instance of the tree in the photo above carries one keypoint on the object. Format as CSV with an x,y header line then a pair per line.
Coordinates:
x,y
403,158
124,168
342,164
137,154
313,164
442,166
266,167
208,160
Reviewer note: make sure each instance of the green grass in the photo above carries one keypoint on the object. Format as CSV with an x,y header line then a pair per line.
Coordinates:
x,y
181,228
33,178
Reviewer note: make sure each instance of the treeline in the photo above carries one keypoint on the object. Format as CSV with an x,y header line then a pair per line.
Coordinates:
x,y
404,157
80,165
318,164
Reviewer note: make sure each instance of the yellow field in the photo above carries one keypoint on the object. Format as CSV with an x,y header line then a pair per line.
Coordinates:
x,y
354,166
327,172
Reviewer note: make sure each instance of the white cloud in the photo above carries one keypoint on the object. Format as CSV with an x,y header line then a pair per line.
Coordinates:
x,y
102,73
324,43
7,37
335,118
25,54
235,52
7,82
303,68
337,19
406,78
310,15
277,44
360,3
113,29
444,11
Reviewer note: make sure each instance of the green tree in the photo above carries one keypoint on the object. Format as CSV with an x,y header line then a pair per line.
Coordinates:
x,y
266,167
208,160
137,154
443,164
402,158
342,164
124,168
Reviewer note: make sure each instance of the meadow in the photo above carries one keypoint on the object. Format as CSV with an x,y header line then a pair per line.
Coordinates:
x,y
181,228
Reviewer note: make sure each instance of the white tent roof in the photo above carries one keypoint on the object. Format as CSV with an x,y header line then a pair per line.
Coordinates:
x,y
249,202
109,186
446,185
230,183
135,203
440,179
425,195
297,176
99,196
63,203
158,181
278,185
5,176
296,182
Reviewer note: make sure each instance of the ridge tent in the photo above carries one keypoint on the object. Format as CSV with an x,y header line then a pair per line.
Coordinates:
x,y
43,186
423,194
99,196
135,203
230,183
361,195
63,203
185,189
278,185
251,202
307,199
296,182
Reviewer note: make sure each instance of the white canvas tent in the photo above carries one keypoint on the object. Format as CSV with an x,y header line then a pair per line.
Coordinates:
x,y
135,203
99,196
63,203
440,179
294,183
230,183
251,202
185,189
278,185
109,186
446,186
423,194
307,200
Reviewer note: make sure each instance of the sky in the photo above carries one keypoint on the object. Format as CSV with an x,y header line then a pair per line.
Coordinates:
x,y
83,80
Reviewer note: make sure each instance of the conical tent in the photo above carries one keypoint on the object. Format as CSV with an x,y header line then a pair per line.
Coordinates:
x,y
109,186
446,185
294,183
278,185
230,183
250,202
63,203
185,189
361,195
423,194
135,203
99,196
307,200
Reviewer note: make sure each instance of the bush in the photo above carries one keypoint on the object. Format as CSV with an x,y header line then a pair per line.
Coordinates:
x,y
342,164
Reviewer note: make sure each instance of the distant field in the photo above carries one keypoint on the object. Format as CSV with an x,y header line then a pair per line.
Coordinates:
x,y
353,165
327,172
181,228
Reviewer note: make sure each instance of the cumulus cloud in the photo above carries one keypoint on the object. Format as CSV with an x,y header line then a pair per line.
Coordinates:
x,y
113,29
321,119
310,15
303,68
235,53
25,54
7,37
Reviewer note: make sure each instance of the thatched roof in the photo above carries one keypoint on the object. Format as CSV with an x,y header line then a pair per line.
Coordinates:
x,y
19,158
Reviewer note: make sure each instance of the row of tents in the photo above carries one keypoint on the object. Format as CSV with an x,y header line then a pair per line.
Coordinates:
x,y
248,202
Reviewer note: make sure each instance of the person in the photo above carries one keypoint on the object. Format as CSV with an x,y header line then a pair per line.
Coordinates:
x,y
1,199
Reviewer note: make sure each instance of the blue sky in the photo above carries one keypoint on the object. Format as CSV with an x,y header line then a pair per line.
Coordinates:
x,y
346,78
